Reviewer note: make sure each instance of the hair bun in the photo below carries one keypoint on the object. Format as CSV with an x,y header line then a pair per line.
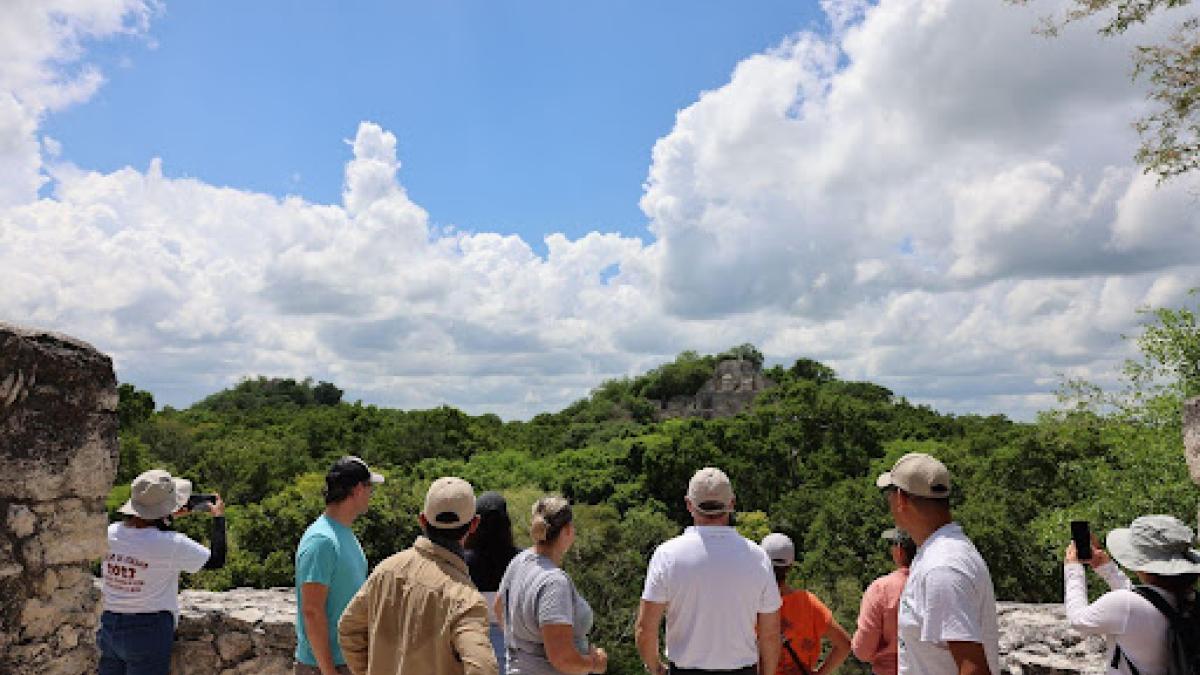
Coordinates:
x,y
539,529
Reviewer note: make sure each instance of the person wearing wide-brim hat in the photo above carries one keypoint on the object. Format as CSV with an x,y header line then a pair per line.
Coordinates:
x,y
1161,551
141,573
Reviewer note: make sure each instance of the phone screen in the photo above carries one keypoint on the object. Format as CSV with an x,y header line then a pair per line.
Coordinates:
x,y
1082,536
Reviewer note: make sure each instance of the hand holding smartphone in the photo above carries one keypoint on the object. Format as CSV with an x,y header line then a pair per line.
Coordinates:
x,y
201,502
1081,534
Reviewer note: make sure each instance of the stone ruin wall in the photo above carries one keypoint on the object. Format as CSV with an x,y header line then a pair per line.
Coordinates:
x,y
247,631
1191,442
58,453
239,632
732,388
58,456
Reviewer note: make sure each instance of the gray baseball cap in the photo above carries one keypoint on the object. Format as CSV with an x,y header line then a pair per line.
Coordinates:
x,y
710,491
780,549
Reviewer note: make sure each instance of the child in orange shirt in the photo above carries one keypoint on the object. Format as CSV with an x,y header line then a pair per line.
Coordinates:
x,y
804,619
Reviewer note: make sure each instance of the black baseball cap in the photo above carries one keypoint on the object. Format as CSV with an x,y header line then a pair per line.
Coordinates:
x,y
350,471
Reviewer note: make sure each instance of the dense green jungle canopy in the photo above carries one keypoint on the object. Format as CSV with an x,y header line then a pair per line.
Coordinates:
x,y
802,460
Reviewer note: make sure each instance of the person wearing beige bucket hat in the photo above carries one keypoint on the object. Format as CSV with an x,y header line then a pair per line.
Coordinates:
x,y
141,574
1161,551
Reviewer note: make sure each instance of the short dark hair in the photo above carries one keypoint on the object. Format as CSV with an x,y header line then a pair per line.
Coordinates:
x,y
942,502
341,479
908,547
781,572
446,536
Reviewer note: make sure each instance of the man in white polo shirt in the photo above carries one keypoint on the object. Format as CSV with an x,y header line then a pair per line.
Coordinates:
x,y
717,590
947,617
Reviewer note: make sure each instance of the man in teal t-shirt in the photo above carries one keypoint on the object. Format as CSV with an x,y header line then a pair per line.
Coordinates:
x,y
330,567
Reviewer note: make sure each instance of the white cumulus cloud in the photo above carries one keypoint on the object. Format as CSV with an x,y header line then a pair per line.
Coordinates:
x,y
927,195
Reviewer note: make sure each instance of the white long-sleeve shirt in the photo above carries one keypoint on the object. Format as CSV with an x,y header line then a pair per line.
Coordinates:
x,y
1121,615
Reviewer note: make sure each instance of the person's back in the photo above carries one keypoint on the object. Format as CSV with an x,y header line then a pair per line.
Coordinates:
x,y
489,549
1158,549
946,565
142,568
418,599
418,613
706,572
709,579
875,640
947,621
716,589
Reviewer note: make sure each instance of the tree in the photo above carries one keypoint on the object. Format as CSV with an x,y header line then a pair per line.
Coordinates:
x,y
1166,373
134,406
808,369
1171,131
745,352
326,393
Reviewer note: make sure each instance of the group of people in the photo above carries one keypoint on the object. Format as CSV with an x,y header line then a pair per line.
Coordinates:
x,y
464,600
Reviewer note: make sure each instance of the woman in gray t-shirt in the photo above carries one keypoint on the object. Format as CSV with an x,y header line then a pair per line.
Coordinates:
x,y
546,621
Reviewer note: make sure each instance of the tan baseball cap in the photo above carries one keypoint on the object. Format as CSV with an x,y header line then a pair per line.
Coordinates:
x,y
449,503
710,491
155,494
917,474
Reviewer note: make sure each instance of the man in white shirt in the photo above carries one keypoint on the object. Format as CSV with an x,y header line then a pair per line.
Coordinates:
x,y
947,620
716,589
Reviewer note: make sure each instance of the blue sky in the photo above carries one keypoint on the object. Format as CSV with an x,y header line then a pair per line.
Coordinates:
x,y
516,117
918,193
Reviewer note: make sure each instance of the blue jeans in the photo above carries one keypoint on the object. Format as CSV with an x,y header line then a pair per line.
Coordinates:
x,y
496,635
136,644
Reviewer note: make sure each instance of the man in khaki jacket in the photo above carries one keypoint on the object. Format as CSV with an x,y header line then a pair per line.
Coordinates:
x,y
418,613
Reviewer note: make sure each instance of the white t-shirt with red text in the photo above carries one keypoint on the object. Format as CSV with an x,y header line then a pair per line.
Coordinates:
x,y
141,570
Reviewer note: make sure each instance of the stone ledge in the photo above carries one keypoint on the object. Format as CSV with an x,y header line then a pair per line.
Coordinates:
x,y
252,631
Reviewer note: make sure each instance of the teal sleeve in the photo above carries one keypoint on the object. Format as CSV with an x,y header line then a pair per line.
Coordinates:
x,y
315,561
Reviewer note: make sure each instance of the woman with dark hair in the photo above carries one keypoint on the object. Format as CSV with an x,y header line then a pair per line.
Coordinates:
x,y
141,574
488,551
1159,550
546,620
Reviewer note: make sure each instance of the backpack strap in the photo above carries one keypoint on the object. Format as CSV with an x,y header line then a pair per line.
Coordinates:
x,y
1160,603
1115,664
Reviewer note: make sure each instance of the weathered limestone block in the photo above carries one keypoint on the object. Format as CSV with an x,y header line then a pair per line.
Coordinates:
x,y
58,454
262,665
194,658
1036,640
1191,436
249,631
21,520
58,424
234,647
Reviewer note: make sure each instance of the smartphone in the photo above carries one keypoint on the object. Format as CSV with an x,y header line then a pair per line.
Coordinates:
x,y
1081,534
201,502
